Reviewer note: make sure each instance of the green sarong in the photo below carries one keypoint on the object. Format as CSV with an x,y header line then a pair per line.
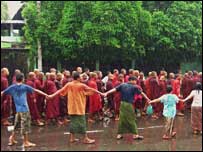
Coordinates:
x,y
127,122
77,124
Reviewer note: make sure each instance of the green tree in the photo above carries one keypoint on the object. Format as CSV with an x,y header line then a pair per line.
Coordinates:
x,y
4,11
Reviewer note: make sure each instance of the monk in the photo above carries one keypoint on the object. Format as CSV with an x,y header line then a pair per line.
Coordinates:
x,y
117,96
6,99
39,84
176,90
32,102
62,100
95,105
109,86
155,93
17,71
52,105
66,77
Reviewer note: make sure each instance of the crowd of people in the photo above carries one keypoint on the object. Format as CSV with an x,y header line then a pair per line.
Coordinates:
x,y
98,95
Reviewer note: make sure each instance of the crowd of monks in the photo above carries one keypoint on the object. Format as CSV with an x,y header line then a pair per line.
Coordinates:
x,y
48,111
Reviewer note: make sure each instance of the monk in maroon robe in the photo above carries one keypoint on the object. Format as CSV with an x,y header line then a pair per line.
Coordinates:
x,y
187,85
117,96
95,105
100,84
143,87
176,90
62,99
147,85
171,79
115,78
123,71
52,105
109,86
32,102
155,93
5,99
162,85
39,84
67,77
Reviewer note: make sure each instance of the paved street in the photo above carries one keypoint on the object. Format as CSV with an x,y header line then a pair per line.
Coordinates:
x,y
56,138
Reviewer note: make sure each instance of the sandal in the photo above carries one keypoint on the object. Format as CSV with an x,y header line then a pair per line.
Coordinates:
x,y
137,137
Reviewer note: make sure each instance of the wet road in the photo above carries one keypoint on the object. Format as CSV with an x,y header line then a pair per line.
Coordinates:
x,y
55,137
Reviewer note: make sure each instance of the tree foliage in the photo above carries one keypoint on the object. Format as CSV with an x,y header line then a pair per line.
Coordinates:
x,y
4,11
116,31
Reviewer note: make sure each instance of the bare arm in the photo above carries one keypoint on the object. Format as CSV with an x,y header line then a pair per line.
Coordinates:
x,y
155,100
2,93
56,93
145,96
93,90
40,92
188,97
110,91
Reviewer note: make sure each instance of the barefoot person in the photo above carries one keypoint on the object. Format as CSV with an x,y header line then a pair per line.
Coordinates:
x,y
19,91
196,108
76,93
169,100
127,122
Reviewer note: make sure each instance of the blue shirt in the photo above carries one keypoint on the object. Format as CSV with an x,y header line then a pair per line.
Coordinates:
x,y
19,93
169,101
128,91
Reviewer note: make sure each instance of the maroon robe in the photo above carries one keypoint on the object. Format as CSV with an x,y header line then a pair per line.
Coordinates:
x,y
52,105
5,99
155,93
31,102
117,98
95,99
109,86
39,84
162,84
187,86
126,78
170,82
62,100
66,80
138,99
147,87
176,91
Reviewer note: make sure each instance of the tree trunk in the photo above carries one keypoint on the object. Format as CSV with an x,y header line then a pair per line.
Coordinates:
x,y
97,64
133,64
58,65
39,50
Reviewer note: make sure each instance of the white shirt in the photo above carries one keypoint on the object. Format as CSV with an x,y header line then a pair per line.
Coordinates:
x,y
104,80
197,98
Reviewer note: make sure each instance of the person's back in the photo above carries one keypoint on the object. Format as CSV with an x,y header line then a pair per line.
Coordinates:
x,y
197,98
128,91
76,97
19,93
169,101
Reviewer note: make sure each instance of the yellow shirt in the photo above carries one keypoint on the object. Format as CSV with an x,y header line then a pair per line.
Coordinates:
x,y
76,94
